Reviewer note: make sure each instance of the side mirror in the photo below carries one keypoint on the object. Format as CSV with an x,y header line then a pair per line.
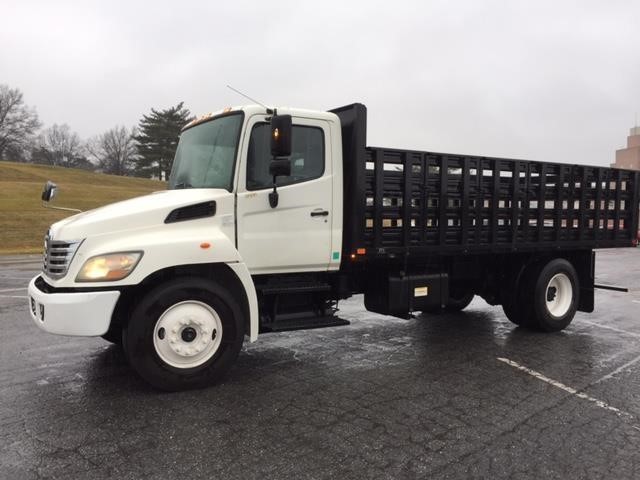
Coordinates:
x,y
281,135
280,167
49,192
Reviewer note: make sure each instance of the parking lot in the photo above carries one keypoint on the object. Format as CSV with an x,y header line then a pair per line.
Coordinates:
x,y
448,396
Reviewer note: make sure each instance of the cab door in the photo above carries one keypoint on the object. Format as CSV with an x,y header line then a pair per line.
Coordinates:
x,y
295,236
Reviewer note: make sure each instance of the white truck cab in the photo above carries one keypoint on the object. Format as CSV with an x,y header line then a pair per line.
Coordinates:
x,y
213,229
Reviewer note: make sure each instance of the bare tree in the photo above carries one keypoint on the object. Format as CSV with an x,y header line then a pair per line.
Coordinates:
x,y
58,145
18,123
114,150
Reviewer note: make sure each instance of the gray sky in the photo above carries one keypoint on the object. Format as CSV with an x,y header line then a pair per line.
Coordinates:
x,y
539,79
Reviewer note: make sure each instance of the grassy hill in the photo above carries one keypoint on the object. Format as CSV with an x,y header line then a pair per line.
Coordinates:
x,y
23,219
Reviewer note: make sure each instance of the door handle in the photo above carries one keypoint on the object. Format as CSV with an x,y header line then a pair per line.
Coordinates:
x,y
319,213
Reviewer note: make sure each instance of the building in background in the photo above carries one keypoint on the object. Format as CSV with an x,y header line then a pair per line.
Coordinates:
x,y
629,157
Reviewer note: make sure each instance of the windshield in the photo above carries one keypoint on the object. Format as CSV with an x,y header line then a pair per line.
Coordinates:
x,y
206,154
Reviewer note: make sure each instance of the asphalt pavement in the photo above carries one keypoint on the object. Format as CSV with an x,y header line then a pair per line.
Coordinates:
x,y
465,395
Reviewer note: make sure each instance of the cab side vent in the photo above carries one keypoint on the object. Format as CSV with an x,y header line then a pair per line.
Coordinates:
x,y
192,212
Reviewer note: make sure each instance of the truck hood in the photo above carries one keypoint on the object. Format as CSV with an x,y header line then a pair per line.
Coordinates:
x,y
133,214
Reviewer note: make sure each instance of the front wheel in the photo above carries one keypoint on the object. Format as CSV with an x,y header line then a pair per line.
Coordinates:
x,y
184,334
113,335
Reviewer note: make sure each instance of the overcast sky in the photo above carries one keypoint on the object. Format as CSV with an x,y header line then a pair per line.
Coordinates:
x,y
545,80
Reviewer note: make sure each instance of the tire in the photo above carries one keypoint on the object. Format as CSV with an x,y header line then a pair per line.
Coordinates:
x,y
113,335
512,302
454,304
184,334
550,294
459,303
514,314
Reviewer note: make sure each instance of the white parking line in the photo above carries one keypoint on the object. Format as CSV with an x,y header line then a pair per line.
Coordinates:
x,y
618,370
13,296
564,387
13,289
608,327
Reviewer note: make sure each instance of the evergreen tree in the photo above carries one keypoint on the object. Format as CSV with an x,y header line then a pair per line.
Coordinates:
x,y
157,140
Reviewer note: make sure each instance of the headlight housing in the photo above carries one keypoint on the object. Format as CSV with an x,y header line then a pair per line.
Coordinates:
x,y
109,267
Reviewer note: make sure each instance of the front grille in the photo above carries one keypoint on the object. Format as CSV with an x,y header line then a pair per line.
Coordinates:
x,y
57,256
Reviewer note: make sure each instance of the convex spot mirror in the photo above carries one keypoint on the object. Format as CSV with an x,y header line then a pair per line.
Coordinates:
x,y
49,191
281,135
280,167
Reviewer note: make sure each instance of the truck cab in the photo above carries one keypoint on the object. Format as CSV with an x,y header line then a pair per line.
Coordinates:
x,y
214,227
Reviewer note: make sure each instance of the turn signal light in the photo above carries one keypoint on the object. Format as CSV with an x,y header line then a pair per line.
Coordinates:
x,y
361,251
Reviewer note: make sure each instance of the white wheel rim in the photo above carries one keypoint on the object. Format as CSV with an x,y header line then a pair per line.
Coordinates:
x,y
187,334
559,295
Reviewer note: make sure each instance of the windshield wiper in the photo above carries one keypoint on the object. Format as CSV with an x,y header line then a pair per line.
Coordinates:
x,y
179,186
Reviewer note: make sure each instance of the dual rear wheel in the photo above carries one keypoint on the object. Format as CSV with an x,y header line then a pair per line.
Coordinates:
x,y
458,300
546,297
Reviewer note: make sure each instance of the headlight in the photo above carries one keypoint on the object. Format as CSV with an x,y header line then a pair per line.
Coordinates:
x,y
110,267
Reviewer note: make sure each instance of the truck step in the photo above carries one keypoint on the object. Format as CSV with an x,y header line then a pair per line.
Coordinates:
x,y
298,287
306,323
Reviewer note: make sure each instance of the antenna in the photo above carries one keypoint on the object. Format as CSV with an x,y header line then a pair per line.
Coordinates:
x,y
247,96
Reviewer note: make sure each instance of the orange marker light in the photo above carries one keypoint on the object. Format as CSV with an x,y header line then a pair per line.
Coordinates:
x,y
205,245
361,251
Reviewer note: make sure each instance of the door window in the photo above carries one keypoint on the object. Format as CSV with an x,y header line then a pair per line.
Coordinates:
x,y
307,156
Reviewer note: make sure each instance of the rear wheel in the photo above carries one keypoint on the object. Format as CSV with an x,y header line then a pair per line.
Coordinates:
x,y
547,297
555,296
513,305
184,334
513,313
457,302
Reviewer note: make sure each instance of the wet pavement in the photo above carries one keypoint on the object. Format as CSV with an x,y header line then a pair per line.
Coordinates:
x,y
449,396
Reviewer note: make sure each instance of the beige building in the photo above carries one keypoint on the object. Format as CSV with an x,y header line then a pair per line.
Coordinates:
x,y
629,157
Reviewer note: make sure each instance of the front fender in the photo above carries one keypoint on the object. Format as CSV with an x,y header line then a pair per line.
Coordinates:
x,y
161,249
166,249
241,270
199,242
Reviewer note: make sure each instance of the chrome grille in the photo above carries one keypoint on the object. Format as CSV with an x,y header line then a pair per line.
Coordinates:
x,y
58,255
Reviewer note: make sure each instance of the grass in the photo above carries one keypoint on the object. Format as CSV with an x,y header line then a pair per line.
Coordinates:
x,y
23,219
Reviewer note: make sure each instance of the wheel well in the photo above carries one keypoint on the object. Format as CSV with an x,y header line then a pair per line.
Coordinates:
x,y
219,272
496,279
581,260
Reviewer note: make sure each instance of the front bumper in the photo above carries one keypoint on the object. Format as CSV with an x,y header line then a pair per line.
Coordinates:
x,y
78,313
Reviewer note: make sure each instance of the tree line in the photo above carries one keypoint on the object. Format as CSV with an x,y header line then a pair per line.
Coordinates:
x,y
145,150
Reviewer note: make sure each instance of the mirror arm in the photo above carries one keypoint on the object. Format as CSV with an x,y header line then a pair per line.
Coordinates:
x,y
46,205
